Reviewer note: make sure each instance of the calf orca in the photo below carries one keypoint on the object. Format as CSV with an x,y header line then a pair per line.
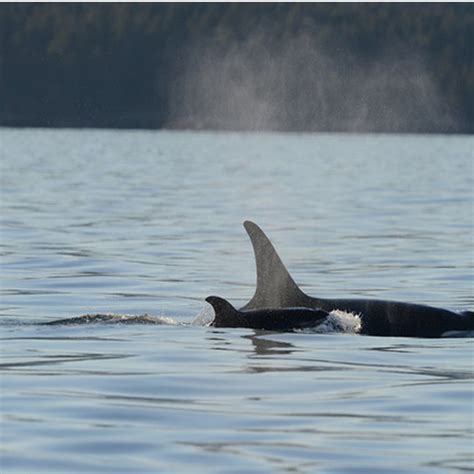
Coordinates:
x,y
274,319
276,290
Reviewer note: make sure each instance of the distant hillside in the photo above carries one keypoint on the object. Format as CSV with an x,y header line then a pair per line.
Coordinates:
x,y
284,66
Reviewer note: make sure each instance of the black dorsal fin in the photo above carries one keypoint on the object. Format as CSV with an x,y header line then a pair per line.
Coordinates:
x,y
275,287
225,313
220,305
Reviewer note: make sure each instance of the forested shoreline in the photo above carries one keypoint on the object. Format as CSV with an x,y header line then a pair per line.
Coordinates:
x,y
284,66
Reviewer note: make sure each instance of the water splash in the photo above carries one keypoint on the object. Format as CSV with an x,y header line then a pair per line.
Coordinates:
x,y
204,317
337,322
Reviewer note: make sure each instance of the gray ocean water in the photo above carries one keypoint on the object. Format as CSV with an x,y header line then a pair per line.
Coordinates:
x,y
136,222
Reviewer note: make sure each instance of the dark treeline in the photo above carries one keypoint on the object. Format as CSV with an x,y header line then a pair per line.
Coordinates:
x,y
354,67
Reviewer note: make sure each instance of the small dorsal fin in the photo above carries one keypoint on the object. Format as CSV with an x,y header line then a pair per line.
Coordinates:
x,y
220,304
225,313
275,287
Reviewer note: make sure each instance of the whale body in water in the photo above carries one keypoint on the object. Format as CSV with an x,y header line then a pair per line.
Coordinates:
x,y
276,291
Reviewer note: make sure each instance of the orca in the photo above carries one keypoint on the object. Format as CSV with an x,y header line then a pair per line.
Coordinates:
x,y
276,290
273,319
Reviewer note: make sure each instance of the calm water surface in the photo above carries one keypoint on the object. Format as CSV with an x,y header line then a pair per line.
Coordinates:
x,y
150,222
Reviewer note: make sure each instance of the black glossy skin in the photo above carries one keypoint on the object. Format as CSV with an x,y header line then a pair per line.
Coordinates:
x,y
392,318
276,289
271,319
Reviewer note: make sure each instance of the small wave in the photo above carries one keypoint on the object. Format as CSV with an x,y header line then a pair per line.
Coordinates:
x,y
114,319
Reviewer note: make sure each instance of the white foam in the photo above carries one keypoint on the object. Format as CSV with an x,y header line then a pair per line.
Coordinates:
x,y
338,321
167,320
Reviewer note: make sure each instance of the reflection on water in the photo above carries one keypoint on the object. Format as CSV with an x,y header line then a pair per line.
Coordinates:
x,y
88,228
263,346
249,398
